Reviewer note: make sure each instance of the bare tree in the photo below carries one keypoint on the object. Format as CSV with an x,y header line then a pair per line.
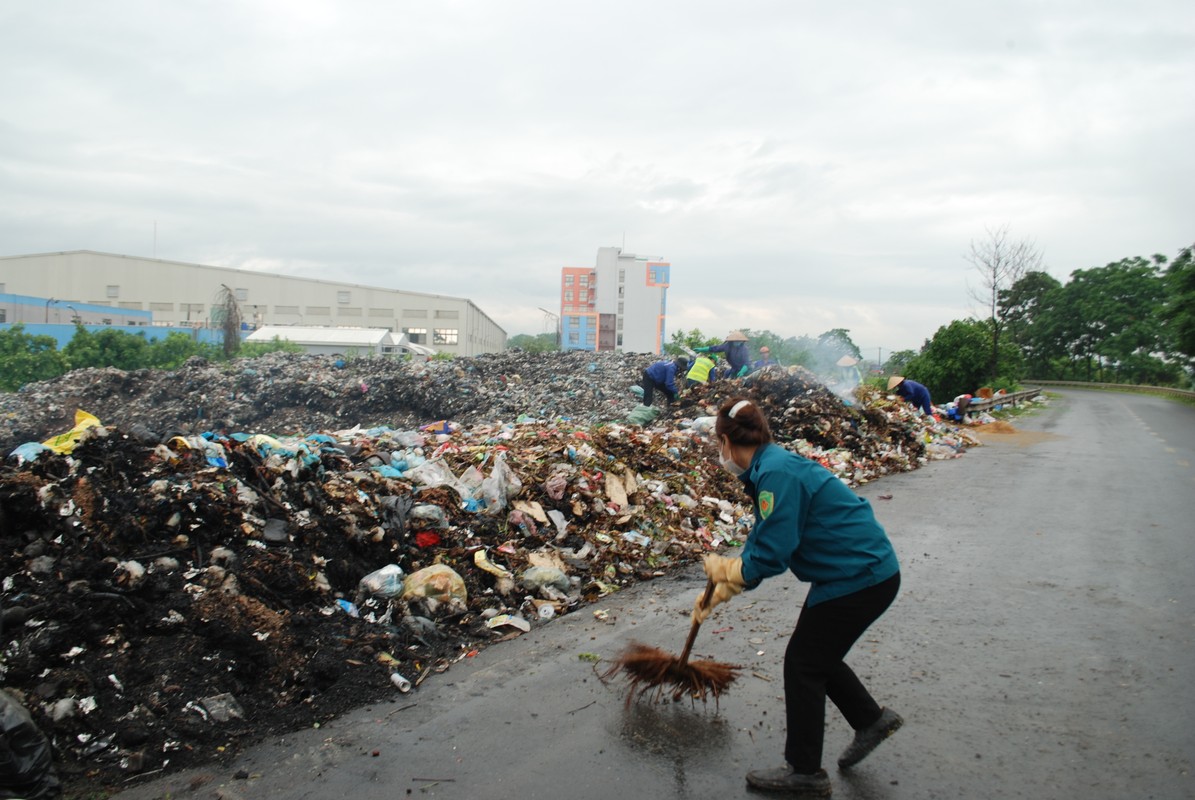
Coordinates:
x,y
228,312
1000,262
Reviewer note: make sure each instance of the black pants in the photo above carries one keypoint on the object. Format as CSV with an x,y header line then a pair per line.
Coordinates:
x,y
814,670
651,386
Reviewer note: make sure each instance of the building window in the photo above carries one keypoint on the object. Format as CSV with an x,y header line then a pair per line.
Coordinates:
x,y
190,308
129,304
293,310
113,291
241,294
620,306
3,315
584,280
619,324
106,321
618,341
621,291
568,295
444,336
574,338
591,337
622,276
416,335
448,315
381,312
349,312
315,311
161,306
568,280
344,298
415,313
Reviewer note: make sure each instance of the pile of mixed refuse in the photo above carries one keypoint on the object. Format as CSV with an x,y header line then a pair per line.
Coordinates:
x,y
198,558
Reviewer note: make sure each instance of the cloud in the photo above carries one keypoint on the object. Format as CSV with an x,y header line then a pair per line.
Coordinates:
x,y
802,169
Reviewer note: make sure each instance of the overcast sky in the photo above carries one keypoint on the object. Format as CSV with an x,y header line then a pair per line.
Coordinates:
x,y
802,166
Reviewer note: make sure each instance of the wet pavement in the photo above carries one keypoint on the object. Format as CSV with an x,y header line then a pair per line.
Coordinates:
x,y
1041,647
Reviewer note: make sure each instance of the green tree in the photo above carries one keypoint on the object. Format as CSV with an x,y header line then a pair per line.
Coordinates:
x,y
176,347
533,343
1030,311
682,339
956,360
1115,317
1178,309
898,362
106,348
25,358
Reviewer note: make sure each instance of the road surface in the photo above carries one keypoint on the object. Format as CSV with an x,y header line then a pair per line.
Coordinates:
x,y
1042,646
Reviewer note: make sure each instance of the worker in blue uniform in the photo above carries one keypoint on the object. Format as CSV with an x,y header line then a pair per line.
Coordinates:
x,y
912,391
810,523
661,377
737,354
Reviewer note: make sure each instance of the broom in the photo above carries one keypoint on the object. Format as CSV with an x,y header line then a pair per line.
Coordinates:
x,y
652,668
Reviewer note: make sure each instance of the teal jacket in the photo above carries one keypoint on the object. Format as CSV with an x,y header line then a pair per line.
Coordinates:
x,y
810,522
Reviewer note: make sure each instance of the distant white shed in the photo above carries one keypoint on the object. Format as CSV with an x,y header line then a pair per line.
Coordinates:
x,y
340,341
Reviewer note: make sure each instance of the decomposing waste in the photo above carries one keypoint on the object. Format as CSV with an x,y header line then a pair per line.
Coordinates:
x,y
195,559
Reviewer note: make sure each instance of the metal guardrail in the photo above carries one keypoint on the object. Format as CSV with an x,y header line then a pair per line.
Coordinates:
x,y
1165,391
1010,399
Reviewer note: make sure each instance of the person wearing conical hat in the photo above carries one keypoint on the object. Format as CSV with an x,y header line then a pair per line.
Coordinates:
x,y
737,354
912,391
848,373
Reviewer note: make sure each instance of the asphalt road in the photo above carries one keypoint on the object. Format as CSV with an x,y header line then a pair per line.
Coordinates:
x,y
1041,647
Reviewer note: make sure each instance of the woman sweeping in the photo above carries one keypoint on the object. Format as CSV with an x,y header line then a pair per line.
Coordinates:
x,y
809,522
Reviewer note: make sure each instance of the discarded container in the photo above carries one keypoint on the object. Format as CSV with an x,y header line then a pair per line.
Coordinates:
x,y
400,683
538,577
437,582
509,620
27,767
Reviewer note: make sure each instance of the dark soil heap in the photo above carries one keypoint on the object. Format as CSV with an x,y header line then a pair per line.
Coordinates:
x,y
160,609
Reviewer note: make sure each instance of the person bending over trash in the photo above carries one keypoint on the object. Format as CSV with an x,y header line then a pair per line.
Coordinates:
x,y
661,377
700,372
810,523
737,354
912,391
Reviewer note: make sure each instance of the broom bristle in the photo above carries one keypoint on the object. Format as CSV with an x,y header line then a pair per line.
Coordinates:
x,y
652,668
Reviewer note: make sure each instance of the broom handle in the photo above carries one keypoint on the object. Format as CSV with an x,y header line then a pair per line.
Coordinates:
x,y
705,602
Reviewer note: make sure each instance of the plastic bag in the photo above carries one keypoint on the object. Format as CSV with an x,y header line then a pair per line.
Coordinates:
x,y
65,442
642,415
386,583
500,487
26,761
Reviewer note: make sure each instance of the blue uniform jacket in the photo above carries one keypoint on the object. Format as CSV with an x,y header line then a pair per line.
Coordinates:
x,y
810,522
664,373
916,394
737,355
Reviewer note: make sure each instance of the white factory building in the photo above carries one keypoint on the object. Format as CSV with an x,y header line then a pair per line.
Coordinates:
x,y
179,294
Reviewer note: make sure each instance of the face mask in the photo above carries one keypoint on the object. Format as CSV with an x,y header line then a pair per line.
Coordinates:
x,y
729,465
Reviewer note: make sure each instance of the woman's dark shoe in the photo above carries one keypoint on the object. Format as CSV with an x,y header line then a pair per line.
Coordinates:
x,y
795,784
870,737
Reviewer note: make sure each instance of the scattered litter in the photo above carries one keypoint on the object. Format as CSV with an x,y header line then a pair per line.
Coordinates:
x,y
250,543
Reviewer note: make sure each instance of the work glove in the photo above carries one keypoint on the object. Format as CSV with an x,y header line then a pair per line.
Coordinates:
x,y
720,569
727,575
701,349
722,593
744,371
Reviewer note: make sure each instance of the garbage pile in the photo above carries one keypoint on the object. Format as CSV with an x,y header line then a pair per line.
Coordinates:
x,y
172,590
